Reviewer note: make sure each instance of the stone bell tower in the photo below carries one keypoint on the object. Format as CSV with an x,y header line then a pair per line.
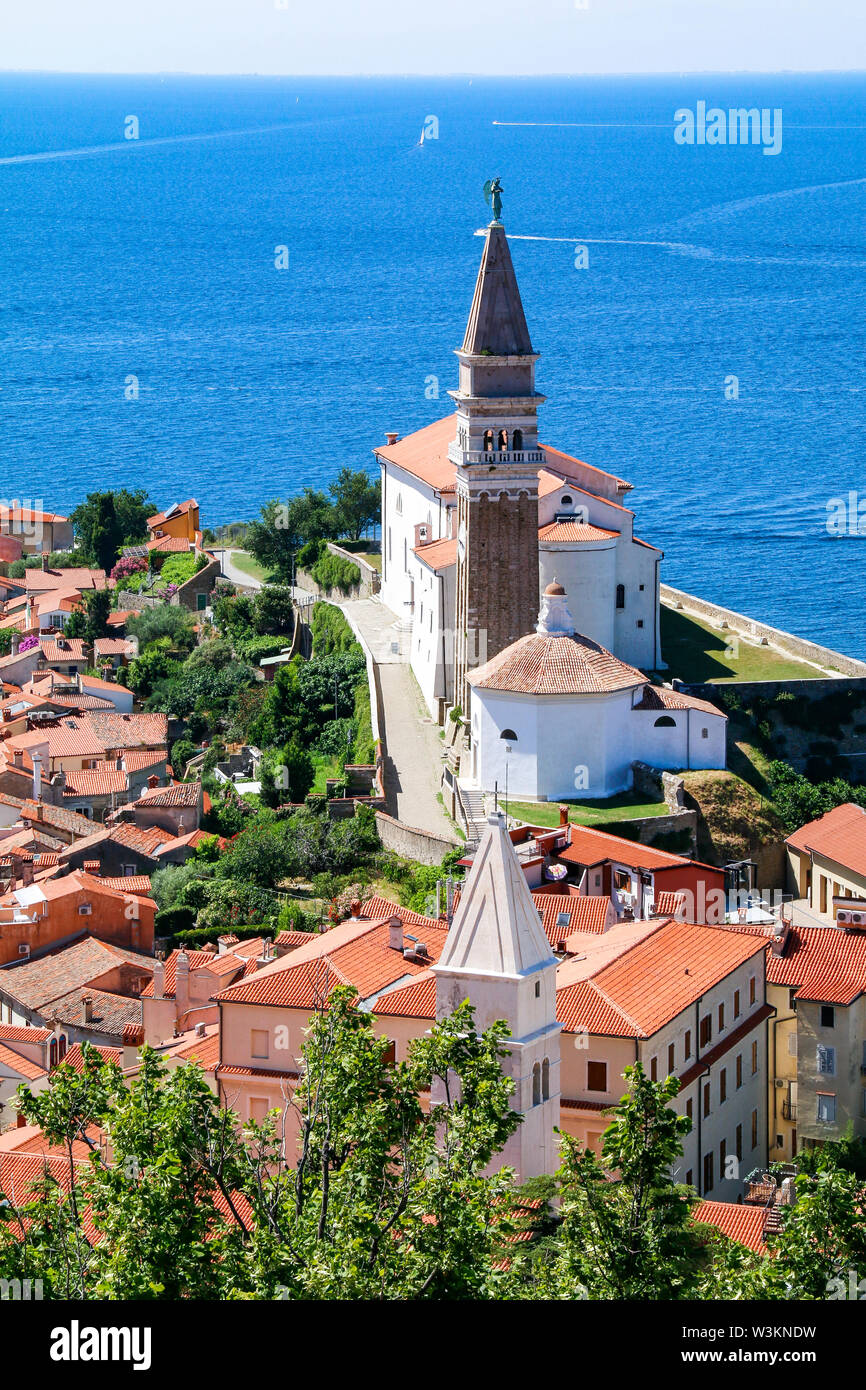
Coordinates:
x,y
497,456
498,957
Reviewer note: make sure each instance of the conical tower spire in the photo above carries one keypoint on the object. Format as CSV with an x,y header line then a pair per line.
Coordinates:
x,y
497,956
496,929
497,323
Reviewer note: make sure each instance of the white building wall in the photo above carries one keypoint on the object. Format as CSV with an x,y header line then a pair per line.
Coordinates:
x,y
587,572
683,746
557,738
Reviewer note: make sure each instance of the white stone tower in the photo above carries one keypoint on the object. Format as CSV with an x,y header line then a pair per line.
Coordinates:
x,y
497,955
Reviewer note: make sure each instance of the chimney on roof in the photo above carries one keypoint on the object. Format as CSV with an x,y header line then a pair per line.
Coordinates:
x,y
152,781
181,985
87,1001
27,872
44,562
18,758
201,1030
267,956
133,1037
395,933
36,759
563,815
159,979
16,642
780,937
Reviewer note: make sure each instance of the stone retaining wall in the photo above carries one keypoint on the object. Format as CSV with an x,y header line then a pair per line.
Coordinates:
x,y
411,843
798,647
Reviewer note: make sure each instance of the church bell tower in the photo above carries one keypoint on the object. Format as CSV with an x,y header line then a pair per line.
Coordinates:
x,y
497,457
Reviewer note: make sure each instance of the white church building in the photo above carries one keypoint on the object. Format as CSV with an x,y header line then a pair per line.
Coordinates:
x,y
488,453
557,716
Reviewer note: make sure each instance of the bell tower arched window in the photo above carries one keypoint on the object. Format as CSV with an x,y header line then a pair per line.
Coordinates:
x,y
488,441
545,1079
503,439
620,596
536,1084
517,439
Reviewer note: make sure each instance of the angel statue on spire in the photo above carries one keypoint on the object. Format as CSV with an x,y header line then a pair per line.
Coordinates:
x,y
493,198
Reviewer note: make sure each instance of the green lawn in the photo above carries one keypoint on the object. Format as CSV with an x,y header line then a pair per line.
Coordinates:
x,y
373,557
696,652
245,562
626,806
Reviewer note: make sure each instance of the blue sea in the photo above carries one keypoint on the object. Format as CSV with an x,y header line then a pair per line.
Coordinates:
x,y
149,339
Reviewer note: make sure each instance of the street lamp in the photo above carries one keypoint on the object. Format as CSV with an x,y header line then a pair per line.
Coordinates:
x,y
508,736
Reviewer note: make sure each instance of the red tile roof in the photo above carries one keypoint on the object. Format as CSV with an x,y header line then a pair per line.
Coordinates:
x,y
741,1223
669,969
12,1033
355,952
571,532
75,1058
541,664
179,794
415,1000
653,980
438,555
589,913
97,781
658,697
24,1066
424,454
63,649
825,964
177,510
588,847
839,835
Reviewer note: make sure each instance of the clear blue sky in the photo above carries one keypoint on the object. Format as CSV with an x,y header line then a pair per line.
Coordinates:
x,y
311,37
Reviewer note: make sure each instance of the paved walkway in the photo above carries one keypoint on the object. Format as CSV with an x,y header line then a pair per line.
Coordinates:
x,y
249,581
413,748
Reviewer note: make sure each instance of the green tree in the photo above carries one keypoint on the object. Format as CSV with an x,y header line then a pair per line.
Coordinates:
x,y
282,529
90,620
274,611
98,529
164,620
626,1231
357,502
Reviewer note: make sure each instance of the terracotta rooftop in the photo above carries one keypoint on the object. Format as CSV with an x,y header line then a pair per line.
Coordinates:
x,y
179,794
24,1066
824,964
659,697
424,454
571,532
39,982
589,847
555,664
438,555
741,1223
355,952
673,966
839,835
97,781
62,649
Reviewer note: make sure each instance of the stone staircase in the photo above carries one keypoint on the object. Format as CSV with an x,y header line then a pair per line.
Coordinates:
x,y
474,814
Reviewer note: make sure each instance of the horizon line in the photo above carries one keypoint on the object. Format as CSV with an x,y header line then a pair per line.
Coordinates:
x,y
401,76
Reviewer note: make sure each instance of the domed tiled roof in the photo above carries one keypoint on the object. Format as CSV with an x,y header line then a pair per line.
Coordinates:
x,y
556,664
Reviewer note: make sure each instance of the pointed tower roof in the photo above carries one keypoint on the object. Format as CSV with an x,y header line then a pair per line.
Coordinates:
x,y
496,320
496,929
